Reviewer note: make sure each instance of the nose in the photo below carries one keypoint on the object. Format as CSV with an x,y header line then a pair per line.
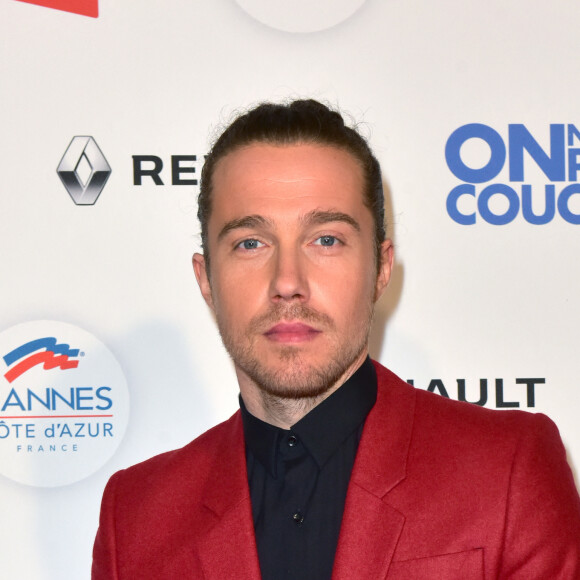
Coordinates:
x,y
289,277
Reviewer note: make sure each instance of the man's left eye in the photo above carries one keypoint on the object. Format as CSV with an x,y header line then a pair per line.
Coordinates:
x,y
250,244
326,241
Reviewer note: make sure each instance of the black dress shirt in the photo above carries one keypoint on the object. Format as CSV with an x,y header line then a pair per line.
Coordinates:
x,y
299,477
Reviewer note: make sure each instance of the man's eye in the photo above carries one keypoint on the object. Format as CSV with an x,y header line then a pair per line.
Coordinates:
x,y
250,244
326,241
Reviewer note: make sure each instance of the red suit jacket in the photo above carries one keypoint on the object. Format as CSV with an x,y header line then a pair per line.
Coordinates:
x,y
440,490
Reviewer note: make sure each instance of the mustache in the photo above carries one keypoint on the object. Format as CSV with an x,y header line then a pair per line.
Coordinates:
x,y
294,312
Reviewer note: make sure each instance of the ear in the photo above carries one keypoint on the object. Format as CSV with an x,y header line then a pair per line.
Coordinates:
x,y
385,269
202,278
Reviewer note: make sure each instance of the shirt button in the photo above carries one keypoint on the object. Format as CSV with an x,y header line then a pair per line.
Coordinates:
x,y
298,517
292,441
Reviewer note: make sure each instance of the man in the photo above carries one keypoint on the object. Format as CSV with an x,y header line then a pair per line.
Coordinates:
x,y
333,467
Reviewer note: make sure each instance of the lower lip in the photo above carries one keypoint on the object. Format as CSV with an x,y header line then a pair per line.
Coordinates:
x,y
292,334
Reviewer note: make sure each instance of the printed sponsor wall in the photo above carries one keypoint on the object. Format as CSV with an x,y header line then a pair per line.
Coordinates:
x,y
108,354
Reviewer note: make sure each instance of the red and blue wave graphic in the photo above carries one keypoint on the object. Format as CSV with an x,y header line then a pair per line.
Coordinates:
x,y
52,355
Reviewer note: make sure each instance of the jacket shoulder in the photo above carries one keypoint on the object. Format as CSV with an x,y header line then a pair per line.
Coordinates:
x,y
450,418
477,477
187,467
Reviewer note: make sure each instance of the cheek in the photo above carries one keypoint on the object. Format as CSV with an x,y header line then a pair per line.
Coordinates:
x,y
235,296
346,296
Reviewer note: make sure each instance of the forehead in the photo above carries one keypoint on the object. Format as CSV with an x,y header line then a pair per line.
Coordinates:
x,y
267,178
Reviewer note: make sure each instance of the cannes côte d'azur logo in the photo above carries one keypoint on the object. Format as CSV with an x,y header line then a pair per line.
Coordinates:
x,y
64,403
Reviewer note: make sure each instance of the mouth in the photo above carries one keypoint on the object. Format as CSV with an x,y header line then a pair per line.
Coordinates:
x,y
291,332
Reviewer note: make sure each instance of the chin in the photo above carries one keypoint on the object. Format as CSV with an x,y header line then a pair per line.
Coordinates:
x,y
293,377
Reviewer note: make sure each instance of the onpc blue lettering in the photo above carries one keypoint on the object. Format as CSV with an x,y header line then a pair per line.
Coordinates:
x,y
558,162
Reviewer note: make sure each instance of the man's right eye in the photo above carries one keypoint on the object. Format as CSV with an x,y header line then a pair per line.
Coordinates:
x,y
249,244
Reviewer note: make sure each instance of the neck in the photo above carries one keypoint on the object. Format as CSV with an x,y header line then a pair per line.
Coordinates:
x,y
281,412
286,411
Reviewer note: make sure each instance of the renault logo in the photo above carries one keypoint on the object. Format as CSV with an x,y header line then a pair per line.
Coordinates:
x,y
83,170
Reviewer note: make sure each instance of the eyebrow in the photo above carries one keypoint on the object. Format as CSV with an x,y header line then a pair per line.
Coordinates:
x,y
317,217
248,221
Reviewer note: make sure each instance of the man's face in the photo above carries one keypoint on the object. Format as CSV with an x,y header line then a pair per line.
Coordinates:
x,y
293,277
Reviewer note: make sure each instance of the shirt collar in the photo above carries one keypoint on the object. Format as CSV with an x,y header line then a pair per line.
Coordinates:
x,y
324,428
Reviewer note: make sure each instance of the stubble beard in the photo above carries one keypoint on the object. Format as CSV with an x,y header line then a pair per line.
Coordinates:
x,y
293,378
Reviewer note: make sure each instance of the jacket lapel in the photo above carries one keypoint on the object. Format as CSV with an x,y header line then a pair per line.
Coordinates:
x,y
228,499
371,527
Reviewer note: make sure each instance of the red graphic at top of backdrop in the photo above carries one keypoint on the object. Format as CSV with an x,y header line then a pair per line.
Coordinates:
x,y
52,355
84,7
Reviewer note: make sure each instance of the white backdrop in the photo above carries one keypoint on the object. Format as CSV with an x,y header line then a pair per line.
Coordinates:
x,y
152,78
